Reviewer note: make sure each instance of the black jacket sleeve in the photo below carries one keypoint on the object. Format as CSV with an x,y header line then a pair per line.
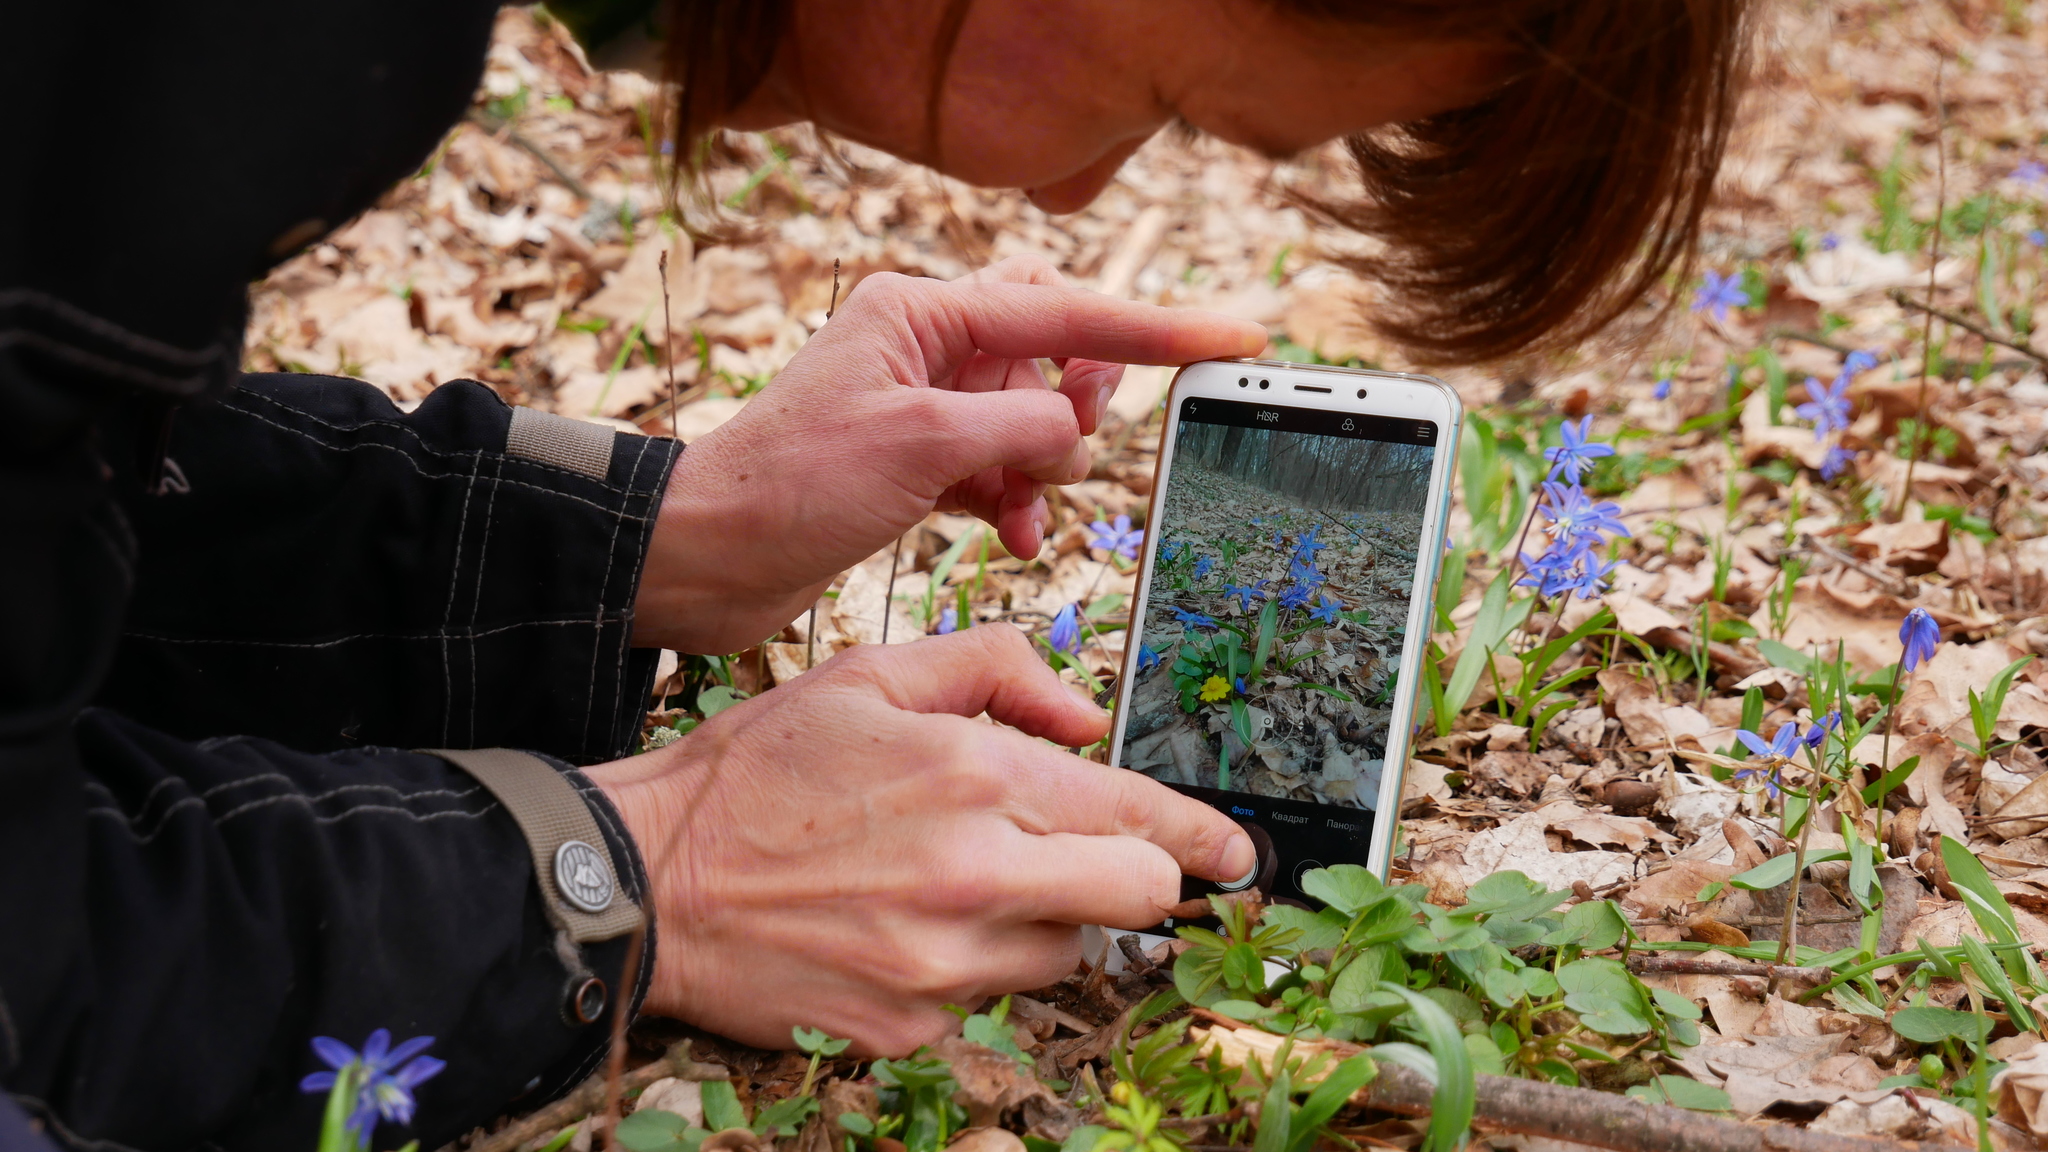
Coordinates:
x,y
329,572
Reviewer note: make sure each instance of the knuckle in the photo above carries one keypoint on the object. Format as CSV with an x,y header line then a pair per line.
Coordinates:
x,y
882,290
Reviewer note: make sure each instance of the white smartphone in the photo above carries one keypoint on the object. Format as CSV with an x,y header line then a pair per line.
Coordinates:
x,y
1283,598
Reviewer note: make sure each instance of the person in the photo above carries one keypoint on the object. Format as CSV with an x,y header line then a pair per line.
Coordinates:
x,y
237,607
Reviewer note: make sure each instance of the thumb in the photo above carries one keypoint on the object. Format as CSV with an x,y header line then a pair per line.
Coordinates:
x,y
991,668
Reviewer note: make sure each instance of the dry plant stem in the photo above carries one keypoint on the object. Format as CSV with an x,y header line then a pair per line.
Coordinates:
x,y
1580,1115
811,626
1920,436
1884,758
889,600
1788,945
615,1061
668,349
588,1097
1900,298
547,159
1642,965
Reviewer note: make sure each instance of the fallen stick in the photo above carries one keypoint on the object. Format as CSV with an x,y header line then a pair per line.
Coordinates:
x,y
1686,966
589,1097
1534,1108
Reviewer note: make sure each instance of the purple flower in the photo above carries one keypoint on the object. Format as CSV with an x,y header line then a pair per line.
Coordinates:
x,y
1303,571
1592,579
1573,516
1718,293
1921,636
1554,573
1192,619
1858,362
1662,389
1829,409
949,621
1241,689
1829,241
1148,659
1836,462
2038,238
1326,611
1244,594
1169,550
1202,565
1118,537
2031,172
1760,774
1577,454
1279,541
1818,734
1294,596
1781,745
1066,631
1307,547
385,1077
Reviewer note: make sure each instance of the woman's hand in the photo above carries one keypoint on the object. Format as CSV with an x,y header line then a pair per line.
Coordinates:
x,y
919,395
852,852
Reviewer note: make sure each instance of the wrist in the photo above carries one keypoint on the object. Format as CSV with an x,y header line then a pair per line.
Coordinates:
x,y
634,789
698,591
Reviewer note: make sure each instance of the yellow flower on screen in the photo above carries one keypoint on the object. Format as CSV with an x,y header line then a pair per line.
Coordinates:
x,y
1215,688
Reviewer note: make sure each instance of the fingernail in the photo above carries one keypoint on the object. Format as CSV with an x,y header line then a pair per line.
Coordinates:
x,y
1239,858
1078,467
1101,406
1038,519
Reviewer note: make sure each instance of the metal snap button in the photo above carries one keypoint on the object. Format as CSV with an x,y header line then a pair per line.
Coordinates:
x,y
588,1001
582,876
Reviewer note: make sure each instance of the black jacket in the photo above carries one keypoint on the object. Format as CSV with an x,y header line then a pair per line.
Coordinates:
x,y
216,845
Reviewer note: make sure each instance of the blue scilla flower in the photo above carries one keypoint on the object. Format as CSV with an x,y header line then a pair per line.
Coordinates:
x,y
1775,752
1244,594
1303,571
1578,453
1192,619
1829,409
2038,238
1818,734
1326,611
1554,573
1662,389
1718,293
1241,689
1829,241
1859,362
1295,595
1574,516
1764,774
385,1077
1066,631
1169,550
1148,659
1116,536
1921,636
1279,541
2031,172
1203,566
1836,461
949,621
1592,575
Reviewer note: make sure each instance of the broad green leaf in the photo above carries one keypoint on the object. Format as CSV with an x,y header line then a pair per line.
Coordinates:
x,y
652,1130
1591,926
1345,887
1457,1088
1456,1005
1989,971
1675,1005
1497,617
1986,903
1269,625
1243,968
1084,1138
1513,896
1778,869
1605,996
717,698
784,1117
722,1106
1245,1010
1276,1115
1318,929
1684,1092
1502,988
1931,1025
1538,983
1358,979
1785,656
1329,1096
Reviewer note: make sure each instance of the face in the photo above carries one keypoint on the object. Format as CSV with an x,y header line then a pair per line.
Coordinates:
x,y
1052,96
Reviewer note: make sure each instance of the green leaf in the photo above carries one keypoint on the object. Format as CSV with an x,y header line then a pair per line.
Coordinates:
x,y
1684,1092
1329,1096
1986,903
1269,624
1512,895
1607,999
1931,1025
1501,987
1591,926
1276,1115
857,1123
1084,1138
722,1106
1778,869
652,1130
1785,656
1457,1088
1345,887
1497,617
1877,791
1538,983
1242,968
1245,1010
1318,929
717,698
784,1117
1673,1004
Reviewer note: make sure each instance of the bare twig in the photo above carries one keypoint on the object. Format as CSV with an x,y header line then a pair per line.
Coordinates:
x,y
1893,585
1900,298
889,600
588,1097
513,136
1580,1115
811,627
1920,436
668,350
1644,965
615,1061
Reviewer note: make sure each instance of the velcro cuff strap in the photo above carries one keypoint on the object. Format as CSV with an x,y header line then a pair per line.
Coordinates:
x,y
579,885
568,444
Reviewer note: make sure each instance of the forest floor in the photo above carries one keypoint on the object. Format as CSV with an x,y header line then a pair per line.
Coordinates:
x,y
1588,743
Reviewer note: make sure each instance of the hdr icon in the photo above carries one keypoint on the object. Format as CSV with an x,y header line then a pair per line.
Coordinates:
x,y
1268,415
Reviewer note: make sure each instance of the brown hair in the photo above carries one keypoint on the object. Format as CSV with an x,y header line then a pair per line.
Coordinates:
x,y
1526,222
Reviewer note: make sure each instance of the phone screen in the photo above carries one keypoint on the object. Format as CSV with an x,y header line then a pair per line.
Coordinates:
x,y
1289,544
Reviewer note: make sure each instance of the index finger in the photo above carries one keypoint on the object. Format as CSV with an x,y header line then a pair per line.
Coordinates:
x,y
946,324
1050,791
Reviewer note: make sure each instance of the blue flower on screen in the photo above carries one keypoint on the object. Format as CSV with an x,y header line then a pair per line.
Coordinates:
x,y
1203,566
1192,619
1326,611
1148,659
1295,595
1244,593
